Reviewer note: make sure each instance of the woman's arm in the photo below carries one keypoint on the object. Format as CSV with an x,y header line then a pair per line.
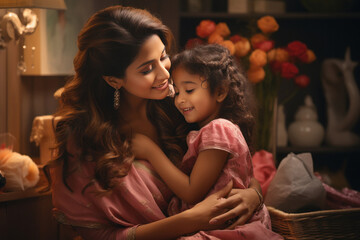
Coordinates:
x,y
190,189
187,222
242,204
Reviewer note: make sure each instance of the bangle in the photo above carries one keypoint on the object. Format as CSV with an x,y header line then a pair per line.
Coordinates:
x,y
261,199
131,233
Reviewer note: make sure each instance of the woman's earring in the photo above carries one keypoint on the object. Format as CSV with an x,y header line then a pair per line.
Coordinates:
x,y
171,91
116,99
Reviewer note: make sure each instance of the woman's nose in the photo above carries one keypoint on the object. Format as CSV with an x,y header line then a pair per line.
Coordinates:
x,y
164,70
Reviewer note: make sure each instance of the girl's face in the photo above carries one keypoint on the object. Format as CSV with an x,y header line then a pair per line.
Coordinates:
x,y
193,98
148,75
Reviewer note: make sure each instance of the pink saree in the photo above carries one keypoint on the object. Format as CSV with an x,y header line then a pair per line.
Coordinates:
x,y
140,198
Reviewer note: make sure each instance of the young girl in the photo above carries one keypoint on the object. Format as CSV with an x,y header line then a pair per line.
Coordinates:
x,y
212,94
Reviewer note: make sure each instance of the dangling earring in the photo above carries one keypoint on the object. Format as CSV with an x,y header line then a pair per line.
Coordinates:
x,y
116,99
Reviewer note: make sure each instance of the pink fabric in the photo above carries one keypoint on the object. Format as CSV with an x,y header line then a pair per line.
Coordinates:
x,y
340,199
139,198
264,169
223,134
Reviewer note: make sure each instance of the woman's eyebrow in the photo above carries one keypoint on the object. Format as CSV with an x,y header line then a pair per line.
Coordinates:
x,y
147,62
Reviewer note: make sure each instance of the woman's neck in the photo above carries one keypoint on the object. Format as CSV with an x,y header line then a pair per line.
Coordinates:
x,y
134,116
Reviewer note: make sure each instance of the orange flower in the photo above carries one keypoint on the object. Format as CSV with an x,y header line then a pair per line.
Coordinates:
x,y
268,24
242,47
278,54
257,38
229,45
205,28
256,75
310,56
258,58
215,38
222,29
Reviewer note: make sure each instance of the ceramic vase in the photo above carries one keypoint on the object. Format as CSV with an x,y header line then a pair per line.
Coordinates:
x,y
306,131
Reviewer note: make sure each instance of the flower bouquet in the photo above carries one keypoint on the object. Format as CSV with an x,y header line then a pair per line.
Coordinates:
x,y
266,66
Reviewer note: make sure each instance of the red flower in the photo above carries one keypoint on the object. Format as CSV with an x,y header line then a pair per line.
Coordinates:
x,y
296,49
193,42
266,45
302,81
205,28
288,70
235,38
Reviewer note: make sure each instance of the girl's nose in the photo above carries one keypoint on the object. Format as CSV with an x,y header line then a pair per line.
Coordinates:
x,y
180,99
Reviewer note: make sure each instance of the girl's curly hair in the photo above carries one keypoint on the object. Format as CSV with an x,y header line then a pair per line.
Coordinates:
x,y
221,70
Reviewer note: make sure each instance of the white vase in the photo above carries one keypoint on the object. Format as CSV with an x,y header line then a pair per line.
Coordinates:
x,y
306,131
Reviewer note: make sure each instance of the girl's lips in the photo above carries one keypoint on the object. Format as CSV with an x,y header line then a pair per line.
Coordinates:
x,y
162,86
186,110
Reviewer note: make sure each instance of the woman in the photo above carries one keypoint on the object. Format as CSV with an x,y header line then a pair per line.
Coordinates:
x,y
120,88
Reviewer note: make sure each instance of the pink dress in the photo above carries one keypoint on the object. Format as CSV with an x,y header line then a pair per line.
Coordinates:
x,y
140,198
224,135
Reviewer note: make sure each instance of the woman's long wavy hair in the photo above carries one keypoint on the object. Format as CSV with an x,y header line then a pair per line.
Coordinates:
x,y
221,70
107,44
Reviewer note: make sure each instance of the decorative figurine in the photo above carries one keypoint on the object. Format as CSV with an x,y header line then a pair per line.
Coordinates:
x,y
343,101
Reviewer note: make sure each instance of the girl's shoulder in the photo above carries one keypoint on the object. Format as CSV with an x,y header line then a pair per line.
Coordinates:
x,y
221,123
219,128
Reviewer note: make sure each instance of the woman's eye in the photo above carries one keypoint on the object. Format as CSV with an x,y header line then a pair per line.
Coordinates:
x,y
189,91
147,70
165,56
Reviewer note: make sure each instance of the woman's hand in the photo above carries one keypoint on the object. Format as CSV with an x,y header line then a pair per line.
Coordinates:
x,y
242,204
211,207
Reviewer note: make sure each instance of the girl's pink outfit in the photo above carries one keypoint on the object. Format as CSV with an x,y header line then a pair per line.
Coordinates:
x,y
224,135
141,197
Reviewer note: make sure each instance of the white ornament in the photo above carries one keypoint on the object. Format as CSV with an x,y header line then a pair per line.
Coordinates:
x,y
306,131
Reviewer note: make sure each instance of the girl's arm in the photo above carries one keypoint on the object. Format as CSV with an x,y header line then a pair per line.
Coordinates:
x,y
190,189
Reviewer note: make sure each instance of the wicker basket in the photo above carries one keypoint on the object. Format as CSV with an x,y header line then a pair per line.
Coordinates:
x,y
327,224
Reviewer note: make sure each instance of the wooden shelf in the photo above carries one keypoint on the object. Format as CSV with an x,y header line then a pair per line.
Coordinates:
x,y
302,15
320,150
29,193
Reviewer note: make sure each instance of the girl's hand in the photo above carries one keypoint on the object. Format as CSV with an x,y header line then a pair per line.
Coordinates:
x,y
242,204
141,146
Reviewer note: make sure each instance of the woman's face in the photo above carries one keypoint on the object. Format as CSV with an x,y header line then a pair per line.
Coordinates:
x,y
148,75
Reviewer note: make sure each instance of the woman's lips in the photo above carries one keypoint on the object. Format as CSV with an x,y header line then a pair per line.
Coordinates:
x,y
162,86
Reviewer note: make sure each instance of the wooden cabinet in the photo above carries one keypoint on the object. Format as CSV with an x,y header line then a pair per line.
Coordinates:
x,y
26,217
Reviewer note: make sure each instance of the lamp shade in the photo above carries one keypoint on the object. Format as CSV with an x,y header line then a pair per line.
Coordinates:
x,y
50,4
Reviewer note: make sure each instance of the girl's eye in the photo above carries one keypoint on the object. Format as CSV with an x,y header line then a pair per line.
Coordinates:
x,y
176,94
189,91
